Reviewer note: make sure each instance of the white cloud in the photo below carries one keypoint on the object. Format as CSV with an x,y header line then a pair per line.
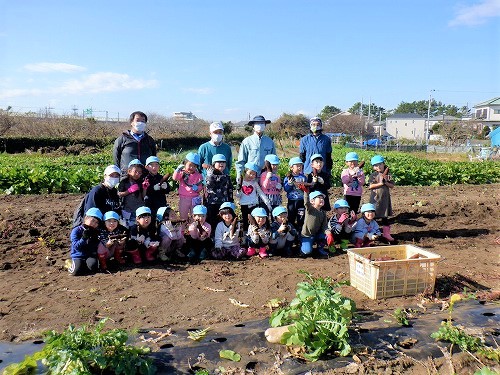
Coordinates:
x,y
46,67
105,82
476,14
200,90
93,83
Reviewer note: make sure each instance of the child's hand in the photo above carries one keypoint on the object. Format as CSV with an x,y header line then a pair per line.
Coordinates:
x,y
140,239
180,167
164,185
154,244
269,175
320,180
145,184
157,186
329,239
109,243
343,218
278,186
372,237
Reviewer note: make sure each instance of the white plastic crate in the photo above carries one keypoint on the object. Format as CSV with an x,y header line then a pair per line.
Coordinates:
x,y
390,278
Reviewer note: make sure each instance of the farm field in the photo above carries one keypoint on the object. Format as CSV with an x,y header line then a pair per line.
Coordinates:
x,y
460,223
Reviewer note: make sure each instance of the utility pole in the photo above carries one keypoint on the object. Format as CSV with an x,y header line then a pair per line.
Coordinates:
x,y
427,135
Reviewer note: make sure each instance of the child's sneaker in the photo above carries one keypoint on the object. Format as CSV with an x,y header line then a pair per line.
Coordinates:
x,y
263,253
251,251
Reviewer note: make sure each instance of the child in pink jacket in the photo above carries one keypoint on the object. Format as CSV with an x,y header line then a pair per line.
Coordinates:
x,y
353,179
270,181
190,184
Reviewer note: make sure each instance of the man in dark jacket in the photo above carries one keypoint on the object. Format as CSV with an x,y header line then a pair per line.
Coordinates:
x,y
134,143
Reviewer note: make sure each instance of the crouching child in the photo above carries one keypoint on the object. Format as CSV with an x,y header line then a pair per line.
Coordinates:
x,y
84,243
143,240
171,234
340,225
112,240
315,227
259,233
283,234
227,239
366,229
199,242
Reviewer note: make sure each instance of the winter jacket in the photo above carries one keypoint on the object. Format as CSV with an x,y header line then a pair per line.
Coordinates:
x,y
83,248
127,148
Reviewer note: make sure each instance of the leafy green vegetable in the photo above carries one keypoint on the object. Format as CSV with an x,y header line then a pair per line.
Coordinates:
x,y
321,318
229,354
82,351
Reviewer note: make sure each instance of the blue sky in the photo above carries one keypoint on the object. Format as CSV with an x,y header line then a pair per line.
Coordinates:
x,y
228,59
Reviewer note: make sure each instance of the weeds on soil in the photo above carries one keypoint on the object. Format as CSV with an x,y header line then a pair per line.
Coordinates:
x,y
79,351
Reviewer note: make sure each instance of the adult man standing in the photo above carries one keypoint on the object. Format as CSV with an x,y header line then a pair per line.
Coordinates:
x,y
213,147
255,147
316,143
134,143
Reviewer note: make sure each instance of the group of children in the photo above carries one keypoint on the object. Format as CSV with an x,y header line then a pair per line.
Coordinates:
x,y
207,224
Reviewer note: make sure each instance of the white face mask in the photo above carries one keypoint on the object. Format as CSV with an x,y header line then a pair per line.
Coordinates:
x,y
140,126
259,128
111,181
216,138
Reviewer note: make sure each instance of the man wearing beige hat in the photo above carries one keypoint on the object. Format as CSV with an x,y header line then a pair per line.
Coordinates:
x,y
213,147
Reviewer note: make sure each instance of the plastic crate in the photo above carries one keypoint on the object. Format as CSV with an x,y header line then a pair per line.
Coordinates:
x,y
390,278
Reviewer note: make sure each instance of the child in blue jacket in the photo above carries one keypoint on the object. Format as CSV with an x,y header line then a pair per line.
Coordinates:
x,y
84,243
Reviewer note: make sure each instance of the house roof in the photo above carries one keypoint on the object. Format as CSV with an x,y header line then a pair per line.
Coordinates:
x,y
406,115
494,101
446,118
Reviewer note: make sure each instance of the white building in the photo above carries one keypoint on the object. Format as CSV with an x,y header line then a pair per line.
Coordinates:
x,y
187,116
406,125
487,114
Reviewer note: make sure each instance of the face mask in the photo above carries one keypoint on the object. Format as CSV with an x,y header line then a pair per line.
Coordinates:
x,y
259,128
140,126
111,181
316,129
216,138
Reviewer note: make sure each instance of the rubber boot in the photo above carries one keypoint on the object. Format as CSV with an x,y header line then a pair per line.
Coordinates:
x,y
263,252
251,251
386,233
119,256
358,243
136,256
102,261
150,253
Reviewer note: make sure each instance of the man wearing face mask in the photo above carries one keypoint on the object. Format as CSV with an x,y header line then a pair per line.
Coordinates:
x,y
255,147
213,147
316,143
134,143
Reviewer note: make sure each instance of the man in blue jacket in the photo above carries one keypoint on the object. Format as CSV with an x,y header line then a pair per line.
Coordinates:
x,y
316,143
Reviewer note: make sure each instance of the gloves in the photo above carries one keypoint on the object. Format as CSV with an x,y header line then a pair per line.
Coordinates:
x,y
278,186
372,237
145,184
269,175
304,188
87,233
329,239
179,167
164,185
342,218
133,188
154,244
157,186
320,180
140,239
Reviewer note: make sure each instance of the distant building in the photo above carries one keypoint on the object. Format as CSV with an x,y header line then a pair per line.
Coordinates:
x,y
186,116
406,125
487,114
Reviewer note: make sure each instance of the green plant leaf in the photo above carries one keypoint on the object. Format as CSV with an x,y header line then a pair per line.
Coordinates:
x,y
231,355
